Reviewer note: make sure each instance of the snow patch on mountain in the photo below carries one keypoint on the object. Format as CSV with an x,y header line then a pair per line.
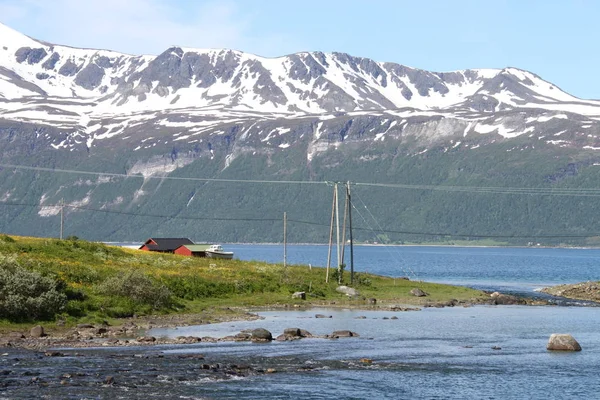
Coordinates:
x,y
187,95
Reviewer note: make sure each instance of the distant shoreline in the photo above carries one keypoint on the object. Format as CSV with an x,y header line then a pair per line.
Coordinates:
x,y
138,244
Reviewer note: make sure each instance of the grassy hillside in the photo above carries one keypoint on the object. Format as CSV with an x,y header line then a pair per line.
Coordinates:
x,y
131,208
74,280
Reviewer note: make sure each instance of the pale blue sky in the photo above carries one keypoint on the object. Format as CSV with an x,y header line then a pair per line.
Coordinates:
x,y
555,39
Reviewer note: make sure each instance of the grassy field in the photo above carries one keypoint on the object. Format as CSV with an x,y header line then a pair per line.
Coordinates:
x,y
77,281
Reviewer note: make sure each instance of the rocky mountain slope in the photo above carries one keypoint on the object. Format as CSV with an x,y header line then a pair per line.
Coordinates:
x,y
191,113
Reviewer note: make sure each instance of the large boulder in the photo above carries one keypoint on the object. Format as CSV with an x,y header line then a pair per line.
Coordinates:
x,y
261,335
348,291
562,342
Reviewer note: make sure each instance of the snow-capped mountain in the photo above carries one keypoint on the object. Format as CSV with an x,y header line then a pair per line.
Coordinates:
x,y
79,88
303,116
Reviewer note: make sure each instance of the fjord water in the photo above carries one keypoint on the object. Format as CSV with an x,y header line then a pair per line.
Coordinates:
x,y
490,268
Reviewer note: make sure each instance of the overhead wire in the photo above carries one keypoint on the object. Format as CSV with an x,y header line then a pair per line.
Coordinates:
x,y
177,178
396,255
577,192
471,189
313,223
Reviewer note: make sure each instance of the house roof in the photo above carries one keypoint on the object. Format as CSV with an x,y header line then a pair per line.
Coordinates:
x,y
166,244
196,247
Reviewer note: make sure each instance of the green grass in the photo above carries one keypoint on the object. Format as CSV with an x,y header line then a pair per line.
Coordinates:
x,y
106,283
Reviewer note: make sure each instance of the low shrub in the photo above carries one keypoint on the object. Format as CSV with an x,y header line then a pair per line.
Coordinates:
x,y
27,295
138,288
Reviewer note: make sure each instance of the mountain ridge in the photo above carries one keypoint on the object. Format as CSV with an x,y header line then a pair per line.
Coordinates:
x,y
309,116
373,85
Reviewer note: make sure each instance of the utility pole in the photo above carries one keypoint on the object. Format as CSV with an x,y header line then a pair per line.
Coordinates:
x,y
344,227
349,200
285,239
330,236
62,217
337,236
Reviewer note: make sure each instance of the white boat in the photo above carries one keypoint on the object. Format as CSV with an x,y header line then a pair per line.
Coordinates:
x,y
216,251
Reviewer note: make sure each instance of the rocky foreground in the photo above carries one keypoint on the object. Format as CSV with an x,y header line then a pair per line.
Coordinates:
x,y
133,332
586,291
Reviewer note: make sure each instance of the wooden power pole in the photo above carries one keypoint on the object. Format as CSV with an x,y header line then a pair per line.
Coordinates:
x,y
337,235
330,236
349,202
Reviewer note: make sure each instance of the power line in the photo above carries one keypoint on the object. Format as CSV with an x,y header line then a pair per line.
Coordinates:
x,y
397,253
177,178
492,190
312,223
576,192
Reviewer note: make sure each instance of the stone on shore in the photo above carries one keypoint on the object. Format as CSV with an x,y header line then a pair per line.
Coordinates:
x,y
348,291
562,342
146,339
299,295
418,292
37,331
505,299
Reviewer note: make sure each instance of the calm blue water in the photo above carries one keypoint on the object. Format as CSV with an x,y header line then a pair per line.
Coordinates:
x,y
512,269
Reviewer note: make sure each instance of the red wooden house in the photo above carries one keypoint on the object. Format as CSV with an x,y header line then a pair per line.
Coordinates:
x,y
165,245
196,250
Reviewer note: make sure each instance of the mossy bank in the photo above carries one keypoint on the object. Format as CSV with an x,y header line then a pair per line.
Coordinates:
x,y
73,281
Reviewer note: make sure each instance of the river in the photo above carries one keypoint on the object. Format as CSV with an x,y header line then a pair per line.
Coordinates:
x,y
491,352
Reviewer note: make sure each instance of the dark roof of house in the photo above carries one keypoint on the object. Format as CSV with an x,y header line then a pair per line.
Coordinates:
x,y
166,244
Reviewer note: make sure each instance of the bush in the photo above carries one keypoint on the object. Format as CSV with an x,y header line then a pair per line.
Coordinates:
x,y
361,279
138,288
26,295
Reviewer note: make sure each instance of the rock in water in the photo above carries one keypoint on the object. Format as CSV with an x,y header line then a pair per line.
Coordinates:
x,y
342,334
563,342
261,335
292,332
